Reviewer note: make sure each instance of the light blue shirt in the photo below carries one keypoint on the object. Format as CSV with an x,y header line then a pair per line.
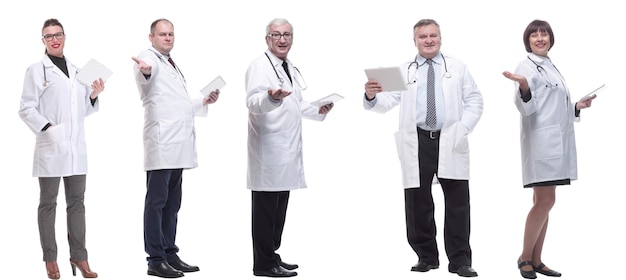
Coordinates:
x,y
422,73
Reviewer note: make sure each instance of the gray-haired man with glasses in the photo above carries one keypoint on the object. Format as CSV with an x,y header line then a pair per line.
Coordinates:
x,y
275,111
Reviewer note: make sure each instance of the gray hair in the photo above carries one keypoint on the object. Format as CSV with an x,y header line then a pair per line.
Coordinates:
x,y
277,21
424,22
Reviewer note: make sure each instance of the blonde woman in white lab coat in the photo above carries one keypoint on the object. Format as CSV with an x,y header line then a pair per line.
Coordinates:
x,y
547,139
54,105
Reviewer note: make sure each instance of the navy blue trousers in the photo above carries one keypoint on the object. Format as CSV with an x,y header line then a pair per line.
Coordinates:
x,y
160,216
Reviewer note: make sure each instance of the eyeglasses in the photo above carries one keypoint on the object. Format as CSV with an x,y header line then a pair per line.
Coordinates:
x,y
276,36
58,36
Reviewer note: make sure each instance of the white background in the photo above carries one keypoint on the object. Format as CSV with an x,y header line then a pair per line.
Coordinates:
x,y
349,223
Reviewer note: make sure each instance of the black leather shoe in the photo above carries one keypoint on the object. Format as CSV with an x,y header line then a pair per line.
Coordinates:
x,y
164,270
423,267
278,271
465,271
528,274
182,266
288,266
547,272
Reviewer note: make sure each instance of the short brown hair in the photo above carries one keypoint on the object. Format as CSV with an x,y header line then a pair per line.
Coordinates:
x,y
534,26
154,24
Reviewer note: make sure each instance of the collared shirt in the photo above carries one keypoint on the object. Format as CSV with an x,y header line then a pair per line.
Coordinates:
x,y
422,74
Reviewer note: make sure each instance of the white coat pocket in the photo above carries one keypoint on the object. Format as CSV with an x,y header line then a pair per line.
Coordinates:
x,y
461,143
275,149
547,142
174,132
52,141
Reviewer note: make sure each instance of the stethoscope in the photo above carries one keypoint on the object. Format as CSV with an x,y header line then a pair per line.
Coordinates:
x,y
545,77
45,77
281,80
160,56
408,70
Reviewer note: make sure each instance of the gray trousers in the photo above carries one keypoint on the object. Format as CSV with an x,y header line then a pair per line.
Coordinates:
x,y
46,215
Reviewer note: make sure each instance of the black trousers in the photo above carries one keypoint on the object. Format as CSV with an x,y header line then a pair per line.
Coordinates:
x,y
269,210
420,210
160,217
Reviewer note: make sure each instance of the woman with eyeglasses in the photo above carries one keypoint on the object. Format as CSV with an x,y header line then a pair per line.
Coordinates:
x,y
53,105
547,137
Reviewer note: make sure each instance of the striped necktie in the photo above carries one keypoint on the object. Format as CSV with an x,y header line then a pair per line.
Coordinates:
x,y
431,113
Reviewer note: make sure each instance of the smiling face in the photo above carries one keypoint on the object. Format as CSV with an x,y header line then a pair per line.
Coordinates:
x,y
427,40
162,37
539,43
54,39
280,46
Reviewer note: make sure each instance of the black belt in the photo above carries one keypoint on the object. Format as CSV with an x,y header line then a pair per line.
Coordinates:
x,y
432,134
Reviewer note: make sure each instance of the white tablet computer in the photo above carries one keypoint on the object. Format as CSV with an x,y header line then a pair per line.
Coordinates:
x,y
390,78
92,71
327,100
594,92
217,83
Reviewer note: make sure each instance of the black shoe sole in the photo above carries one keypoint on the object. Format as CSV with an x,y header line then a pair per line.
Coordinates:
x,y
164,276
428,269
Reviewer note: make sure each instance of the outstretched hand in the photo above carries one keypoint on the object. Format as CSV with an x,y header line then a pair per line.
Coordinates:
x,y
521,80
278,94
145,68
515,77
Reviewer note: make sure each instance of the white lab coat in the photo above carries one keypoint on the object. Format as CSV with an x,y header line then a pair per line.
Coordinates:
x,y
275,128
64,103
547,138
463,108
169,136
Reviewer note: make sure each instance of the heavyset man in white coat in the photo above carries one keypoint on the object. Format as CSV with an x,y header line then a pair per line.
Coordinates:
x,y
54,105
275,111
169,147
441,149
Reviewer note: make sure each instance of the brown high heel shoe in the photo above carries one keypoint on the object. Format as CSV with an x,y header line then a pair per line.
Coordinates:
x,y
53,270
84,269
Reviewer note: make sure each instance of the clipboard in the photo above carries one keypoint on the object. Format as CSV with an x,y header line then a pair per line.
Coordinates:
x,y
390,78
217,83
594,92
327,100
92,71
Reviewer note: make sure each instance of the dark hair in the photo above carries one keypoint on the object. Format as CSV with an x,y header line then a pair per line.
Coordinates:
x,y
534,26
154,24
52,22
